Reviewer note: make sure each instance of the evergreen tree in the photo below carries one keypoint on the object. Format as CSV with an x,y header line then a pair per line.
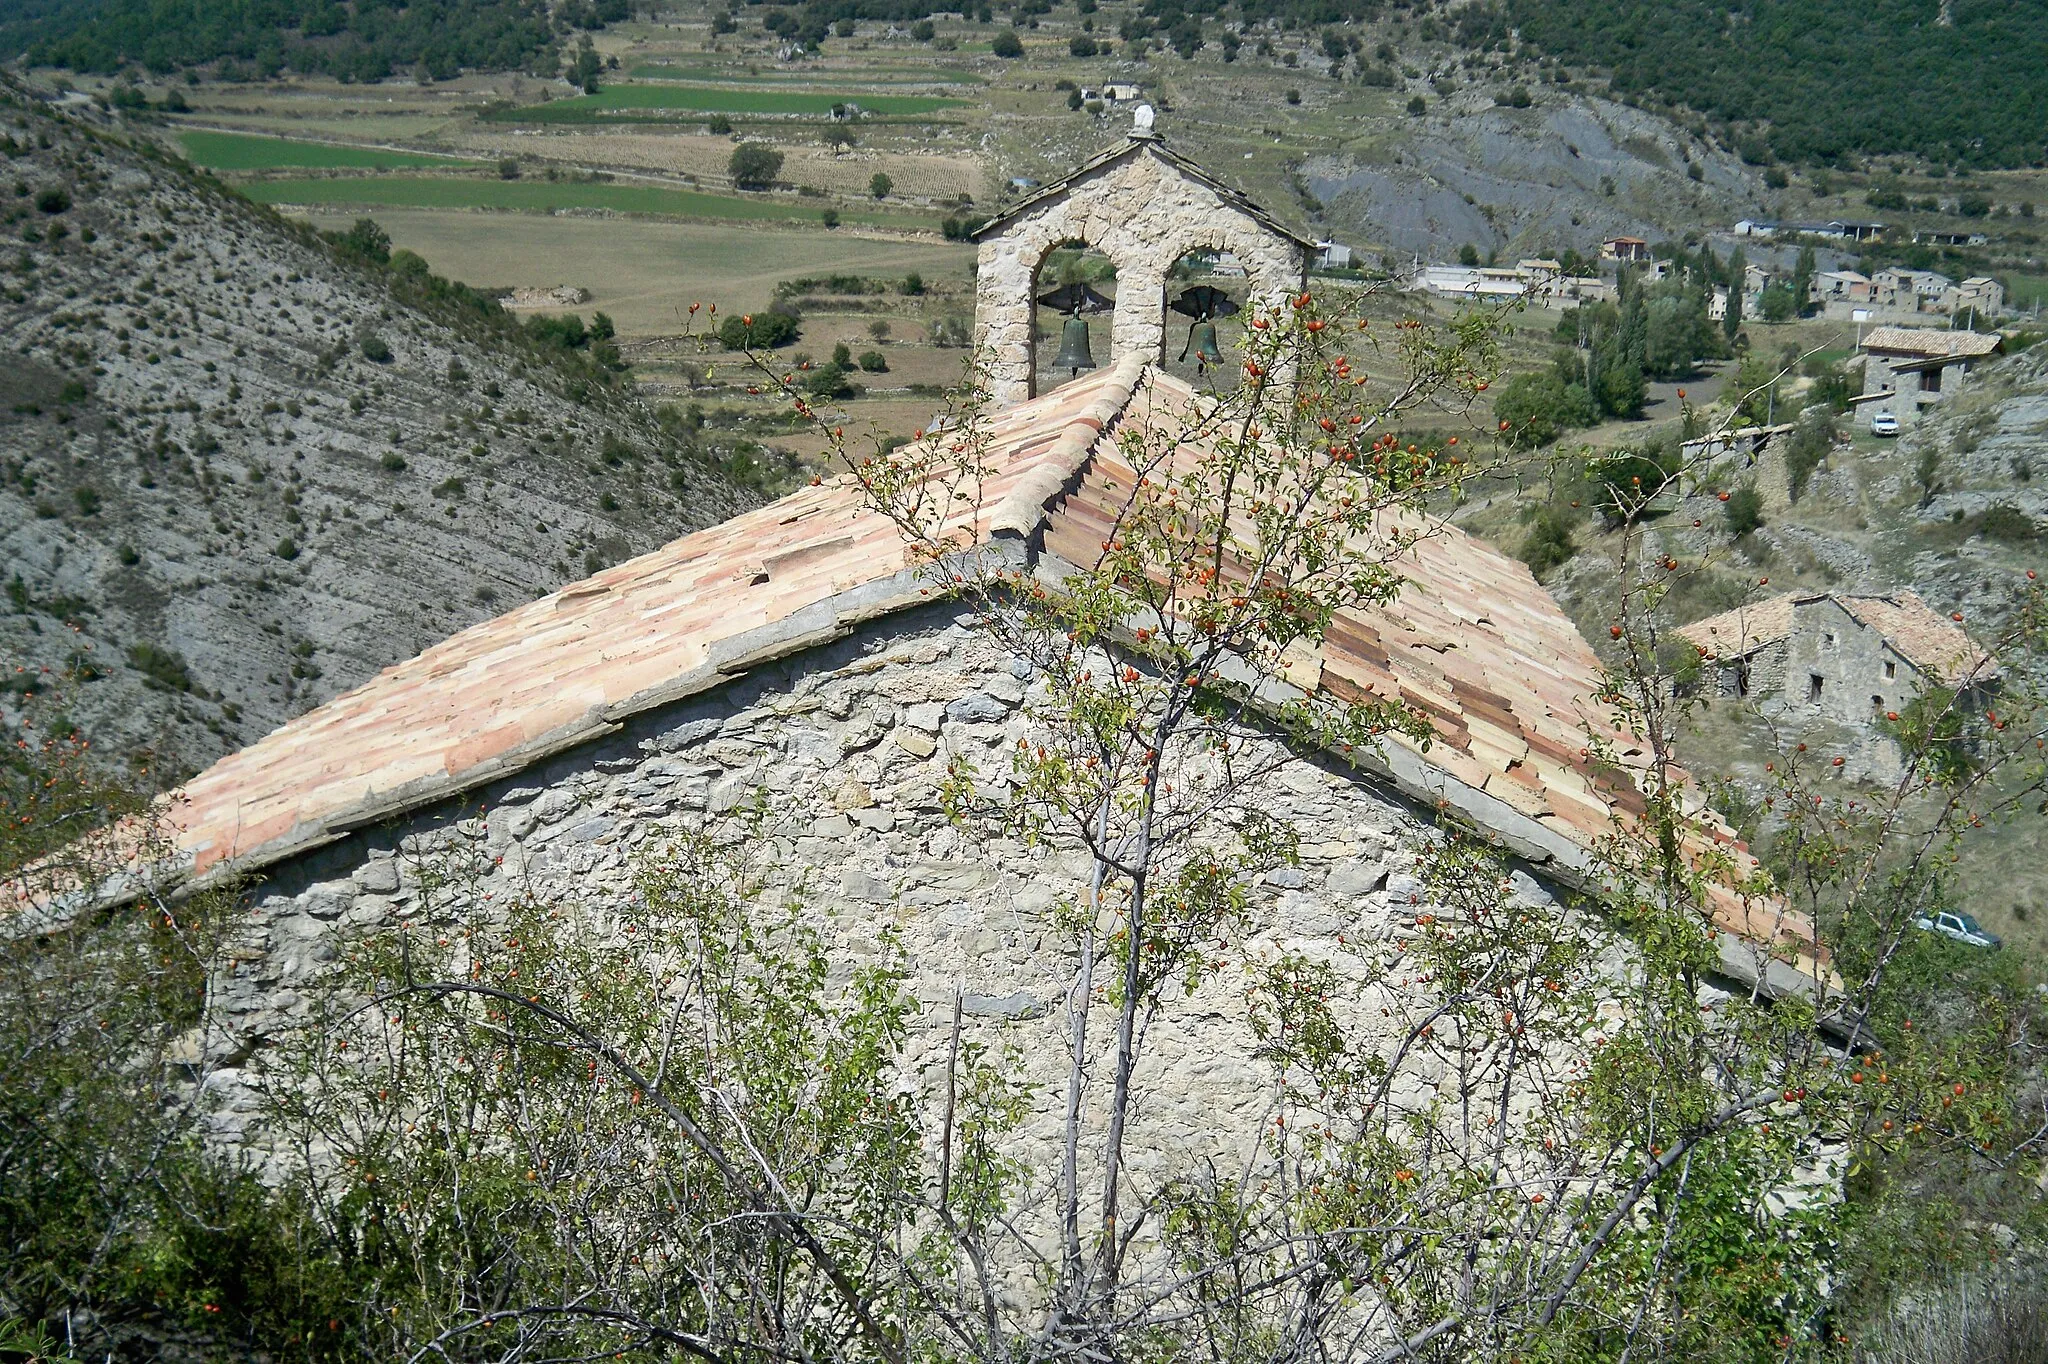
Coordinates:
x,y
587,66
1802,280
1738,273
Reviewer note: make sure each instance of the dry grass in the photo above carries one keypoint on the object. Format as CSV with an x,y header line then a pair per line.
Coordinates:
x,y
916,174
646,274
2003,1321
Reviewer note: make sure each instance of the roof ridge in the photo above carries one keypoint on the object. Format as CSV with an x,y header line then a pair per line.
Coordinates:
x,y
1132,145
1023,509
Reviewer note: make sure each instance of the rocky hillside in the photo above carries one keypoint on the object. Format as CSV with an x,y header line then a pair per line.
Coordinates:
x,y
1572,168
242,468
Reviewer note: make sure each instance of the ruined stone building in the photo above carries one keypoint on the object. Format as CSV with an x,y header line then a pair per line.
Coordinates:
x,y
1848,659
794,655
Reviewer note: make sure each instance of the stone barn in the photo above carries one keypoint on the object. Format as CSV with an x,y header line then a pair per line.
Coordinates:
x,y
1843,658
1143,206
1906,370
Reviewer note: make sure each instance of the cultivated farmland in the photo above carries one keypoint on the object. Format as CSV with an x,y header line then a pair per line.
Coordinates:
x,y
242,152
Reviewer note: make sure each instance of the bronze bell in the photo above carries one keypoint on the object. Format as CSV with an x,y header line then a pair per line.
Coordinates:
x,y
1202,344
1074,356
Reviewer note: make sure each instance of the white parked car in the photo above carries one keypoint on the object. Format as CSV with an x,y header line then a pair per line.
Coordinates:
x,y
1961,927
1884,424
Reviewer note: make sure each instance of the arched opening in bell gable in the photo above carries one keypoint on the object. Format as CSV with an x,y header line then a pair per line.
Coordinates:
x,y
1073,299
1207,300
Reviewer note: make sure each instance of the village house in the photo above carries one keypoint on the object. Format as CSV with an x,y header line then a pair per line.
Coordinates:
x,y
1835,229
1627,250
1907,370
1916,291
1979,294
1844,658
1333,256
1839,286
1575,289
797,656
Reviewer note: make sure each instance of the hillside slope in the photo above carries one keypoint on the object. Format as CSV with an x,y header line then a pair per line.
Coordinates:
x,y
240,471
1951,80
1956,510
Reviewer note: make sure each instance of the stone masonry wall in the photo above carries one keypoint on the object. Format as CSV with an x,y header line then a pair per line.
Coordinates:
x,y
848,743
1849,658
1144,214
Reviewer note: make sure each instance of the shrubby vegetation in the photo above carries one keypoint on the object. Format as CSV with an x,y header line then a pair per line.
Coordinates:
x,y
261,38
1967,91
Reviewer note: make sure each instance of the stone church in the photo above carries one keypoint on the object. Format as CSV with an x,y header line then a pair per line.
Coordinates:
x,y
793,653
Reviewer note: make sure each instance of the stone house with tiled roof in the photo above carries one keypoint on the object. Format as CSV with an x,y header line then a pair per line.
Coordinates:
x,y
1907,370
1845,658
795,657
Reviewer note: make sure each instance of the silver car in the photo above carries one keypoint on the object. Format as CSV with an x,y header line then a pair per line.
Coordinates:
x,y
1961,927
1884,424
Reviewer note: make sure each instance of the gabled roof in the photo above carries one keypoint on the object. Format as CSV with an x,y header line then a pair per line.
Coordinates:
x,y
1915,631
1472,642
1135,146
1929,342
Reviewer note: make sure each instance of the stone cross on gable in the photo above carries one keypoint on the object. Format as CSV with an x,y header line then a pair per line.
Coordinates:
x,y
1143,206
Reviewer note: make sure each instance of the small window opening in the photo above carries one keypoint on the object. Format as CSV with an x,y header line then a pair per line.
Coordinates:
x,y
1891,670
1877,703
1813,681
1831,639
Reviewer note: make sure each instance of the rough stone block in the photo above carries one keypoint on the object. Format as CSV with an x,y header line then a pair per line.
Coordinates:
x,y
379,877
978,708
914,742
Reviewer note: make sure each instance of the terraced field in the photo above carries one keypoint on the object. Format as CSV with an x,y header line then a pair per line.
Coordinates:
x,y
631,103
245,152
878,75
540,196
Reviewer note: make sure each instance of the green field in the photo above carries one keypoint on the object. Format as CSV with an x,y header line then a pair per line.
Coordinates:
x,y
623,102
538,196
881,75
240,152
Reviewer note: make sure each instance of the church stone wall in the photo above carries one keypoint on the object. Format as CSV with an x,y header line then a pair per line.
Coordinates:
x,y
848,744
1142,212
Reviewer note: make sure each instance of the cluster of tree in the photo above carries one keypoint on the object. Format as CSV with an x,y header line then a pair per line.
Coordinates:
x,y
1963,90
587,356
364,40
1659,330
777,326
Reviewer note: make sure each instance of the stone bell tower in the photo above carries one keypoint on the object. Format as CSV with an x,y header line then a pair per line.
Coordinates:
x,y
1144,207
